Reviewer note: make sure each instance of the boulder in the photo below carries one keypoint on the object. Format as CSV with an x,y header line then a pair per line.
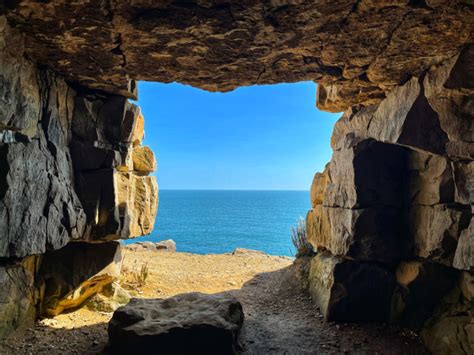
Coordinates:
x,y
70,276
420,287
166,245
464,181
436,230
17,294
183,324
109,299
361,234
143,160
350,291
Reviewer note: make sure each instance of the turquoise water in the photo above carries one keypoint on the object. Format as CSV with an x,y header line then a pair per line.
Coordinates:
x,y
206,222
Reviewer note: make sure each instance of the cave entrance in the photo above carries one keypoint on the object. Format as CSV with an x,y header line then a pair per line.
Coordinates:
x,y
234,168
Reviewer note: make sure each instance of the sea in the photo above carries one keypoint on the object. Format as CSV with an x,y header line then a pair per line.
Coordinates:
x,y
214,222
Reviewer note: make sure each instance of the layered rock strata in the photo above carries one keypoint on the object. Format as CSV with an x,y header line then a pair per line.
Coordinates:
x,y
72,172
396,203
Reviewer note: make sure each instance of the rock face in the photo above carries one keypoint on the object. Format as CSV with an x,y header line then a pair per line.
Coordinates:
x,y
186,323
69,276
66,177
398,190
220,46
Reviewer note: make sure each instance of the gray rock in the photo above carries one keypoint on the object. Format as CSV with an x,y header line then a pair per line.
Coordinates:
x,y
166,245
464,256
183,324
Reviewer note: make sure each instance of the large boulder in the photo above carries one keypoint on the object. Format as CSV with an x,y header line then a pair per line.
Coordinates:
x,y
70,276
347,290
183,324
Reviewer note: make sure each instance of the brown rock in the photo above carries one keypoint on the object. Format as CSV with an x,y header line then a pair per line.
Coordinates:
x,y
464,182
362,234
347,290
318,187
70,276
143,160
358,50
186,323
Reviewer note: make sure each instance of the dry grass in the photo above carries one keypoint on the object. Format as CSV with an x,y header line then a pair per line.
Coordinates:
x,y
300,240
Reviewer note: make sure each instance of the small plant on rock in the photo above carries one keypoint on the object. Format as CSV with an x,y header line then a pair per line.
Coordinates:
x,y
300,240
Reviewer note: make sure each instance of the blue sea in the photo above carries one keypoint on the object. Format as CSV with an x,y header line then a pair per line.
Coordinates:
x,y
211,221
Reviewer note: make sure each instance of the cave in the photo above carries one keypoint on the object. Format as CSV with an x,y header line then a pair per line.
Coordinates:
x,y
391,213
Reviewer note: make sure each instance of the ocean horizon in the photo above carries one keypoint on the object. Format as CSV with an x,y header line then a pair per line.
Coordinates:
x,y
214,221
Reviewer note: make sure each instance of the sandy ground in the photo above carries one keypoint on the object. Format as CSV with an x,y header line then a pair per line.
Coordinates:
x,y
279,317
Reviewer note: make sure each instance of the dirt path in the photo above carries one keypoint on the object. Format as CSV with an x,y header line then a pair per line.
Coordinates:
x,y
279,317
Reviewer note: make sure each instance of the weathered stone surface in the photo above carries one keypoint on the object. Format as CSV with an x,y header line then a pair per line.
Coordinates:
x,y
143,160
118,205
362,234
109,299
186,323
69,276
350,291
366,174
430,180
436,230
464,182
464,256
17,295
318,187
220,46
421,286
451,329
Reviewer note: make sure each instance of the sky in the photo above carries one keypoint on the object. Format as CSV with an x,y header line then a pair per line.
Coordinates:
x,y
266,137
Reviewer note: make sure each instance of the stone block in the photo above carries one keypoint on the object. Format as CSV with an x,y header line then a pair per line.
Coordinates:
x,y
143,159
349,291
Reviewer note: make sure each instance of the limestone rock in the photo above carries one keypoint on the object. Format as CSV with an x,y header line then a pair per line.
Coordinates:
x,y
17,295
451,329
186,323
357,50
437,229
109,299
318,187
70,276
464,256
348,290
362,234
143,160
464,182
421,286
118,205
367,174
166,245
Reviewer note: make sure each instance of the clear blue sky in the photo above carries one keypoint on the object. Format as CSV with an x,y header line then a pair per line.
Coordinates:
x,y
269,137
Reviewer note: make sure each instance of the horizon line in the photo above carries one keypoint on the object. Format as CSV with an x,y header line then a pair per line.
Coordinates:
x,y
168,189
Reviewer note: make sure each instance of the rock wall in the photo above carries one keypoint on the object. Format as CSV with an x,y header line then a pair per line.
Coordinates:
x,y
72,172
392,211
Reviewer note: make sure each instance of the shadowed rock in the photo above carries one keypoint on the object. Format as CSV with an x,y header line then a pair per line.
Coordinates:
x,y
183,324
